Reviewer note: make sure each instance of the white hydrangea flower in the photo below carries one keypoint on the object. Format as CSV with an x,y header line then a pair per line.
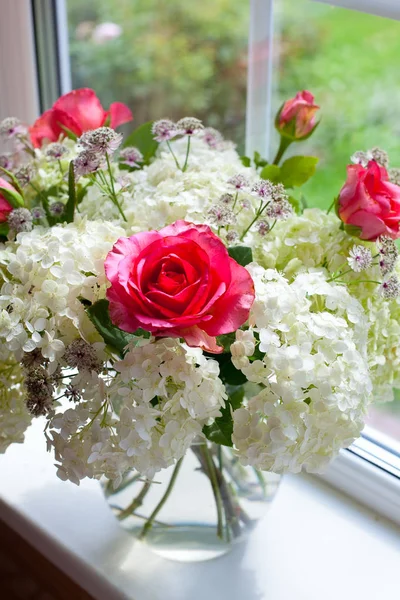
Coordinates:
x,y
160,193
45,272
314,374
314,239
144,418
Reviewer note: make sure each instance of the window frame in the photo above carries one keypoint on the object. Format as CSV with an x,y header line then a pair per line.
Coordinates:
x,y
370,469
384,8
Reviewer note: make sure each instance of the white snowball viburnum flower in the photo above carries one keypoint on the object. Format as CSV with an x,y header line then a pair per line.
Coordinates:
x,y
161,193
45,274
314,239
144,418
313,371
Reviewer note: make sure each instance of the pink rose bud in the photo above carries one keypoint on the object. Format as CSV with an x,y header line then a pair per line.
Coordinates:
x,y
5,206
178,282
297,116
368,204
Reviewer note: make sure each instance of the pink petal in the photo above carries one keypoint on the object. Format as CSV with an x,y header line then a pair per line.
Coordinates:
x,y
371,225
48,126
84,107
197,338
119,113
232,309
124,247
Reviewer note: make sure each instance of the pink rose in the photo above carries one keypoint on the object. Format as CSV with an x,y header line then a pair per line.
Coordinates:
x,y
79,111
5,206
368,201
178,282
297,116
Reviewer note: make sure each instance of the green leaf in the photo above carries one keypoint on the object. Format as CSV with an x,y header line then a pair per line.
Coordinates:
x,y
352,230
13,197
242,254
297,205
226,340
246,162
296,170
230,375
70,206
258,160
220,432
13,179
98,313
4,228
70,134
142,138
271,172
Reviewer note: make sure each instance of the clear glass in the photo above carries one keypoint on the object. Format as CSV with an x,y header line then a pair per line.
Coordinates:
x,y
197,510
349,61
164,59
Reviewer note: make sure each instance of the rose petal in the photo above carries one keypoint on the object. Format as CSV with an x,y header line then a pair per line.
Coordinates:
x,y
119,114
197,338
232,309
84,107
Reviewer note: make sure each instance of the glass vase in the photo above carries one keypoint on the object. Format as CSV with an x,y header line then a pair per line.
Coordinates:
x,y
197,510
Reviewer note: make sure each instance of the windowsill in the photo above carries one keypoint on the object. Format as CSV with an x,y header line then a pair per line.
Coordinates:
x,y
314,543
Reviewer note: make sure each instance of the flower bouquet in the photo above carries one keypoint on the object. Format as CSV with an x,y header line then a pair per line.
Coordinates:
x,y
168,302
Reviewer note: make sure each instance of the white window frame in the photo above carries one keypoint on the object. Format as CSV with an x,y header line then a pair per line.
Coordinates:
x,y
381,8
370,469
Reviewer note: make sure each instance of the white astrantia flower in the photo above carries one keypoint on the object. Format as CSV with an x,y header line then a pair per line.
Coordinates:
x,y
314,240
45,273
144,418
161,193
314,373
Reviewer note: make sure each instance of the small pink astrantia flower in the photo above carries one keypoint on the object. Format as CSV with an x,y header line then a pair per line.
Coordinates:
x,y
178,282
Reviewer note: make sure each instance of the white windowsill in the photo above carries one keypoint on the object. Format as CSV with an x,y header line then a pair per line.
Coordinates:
x,y
314,543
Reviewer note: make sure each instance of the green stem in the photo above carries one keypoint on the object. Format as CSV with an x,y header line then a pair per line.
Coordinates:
x,y
339,275
258,215
114,195
331,206
363,281
136,502
283,146
163,500
173,155
215,487
187,154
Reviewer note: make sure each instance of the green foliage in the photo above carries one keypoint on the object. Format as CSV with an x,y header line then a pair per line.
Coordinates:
x,y
296,204
13,197
220,432
246,161
142,138
70,206
259,162
352,230
114,337
226,340
242,254
297,170
13,180
3,230
271,172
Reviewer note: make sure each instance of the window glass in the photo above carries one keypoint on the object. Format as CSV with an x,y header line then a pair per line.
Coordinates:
x,y
349,61
168,58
